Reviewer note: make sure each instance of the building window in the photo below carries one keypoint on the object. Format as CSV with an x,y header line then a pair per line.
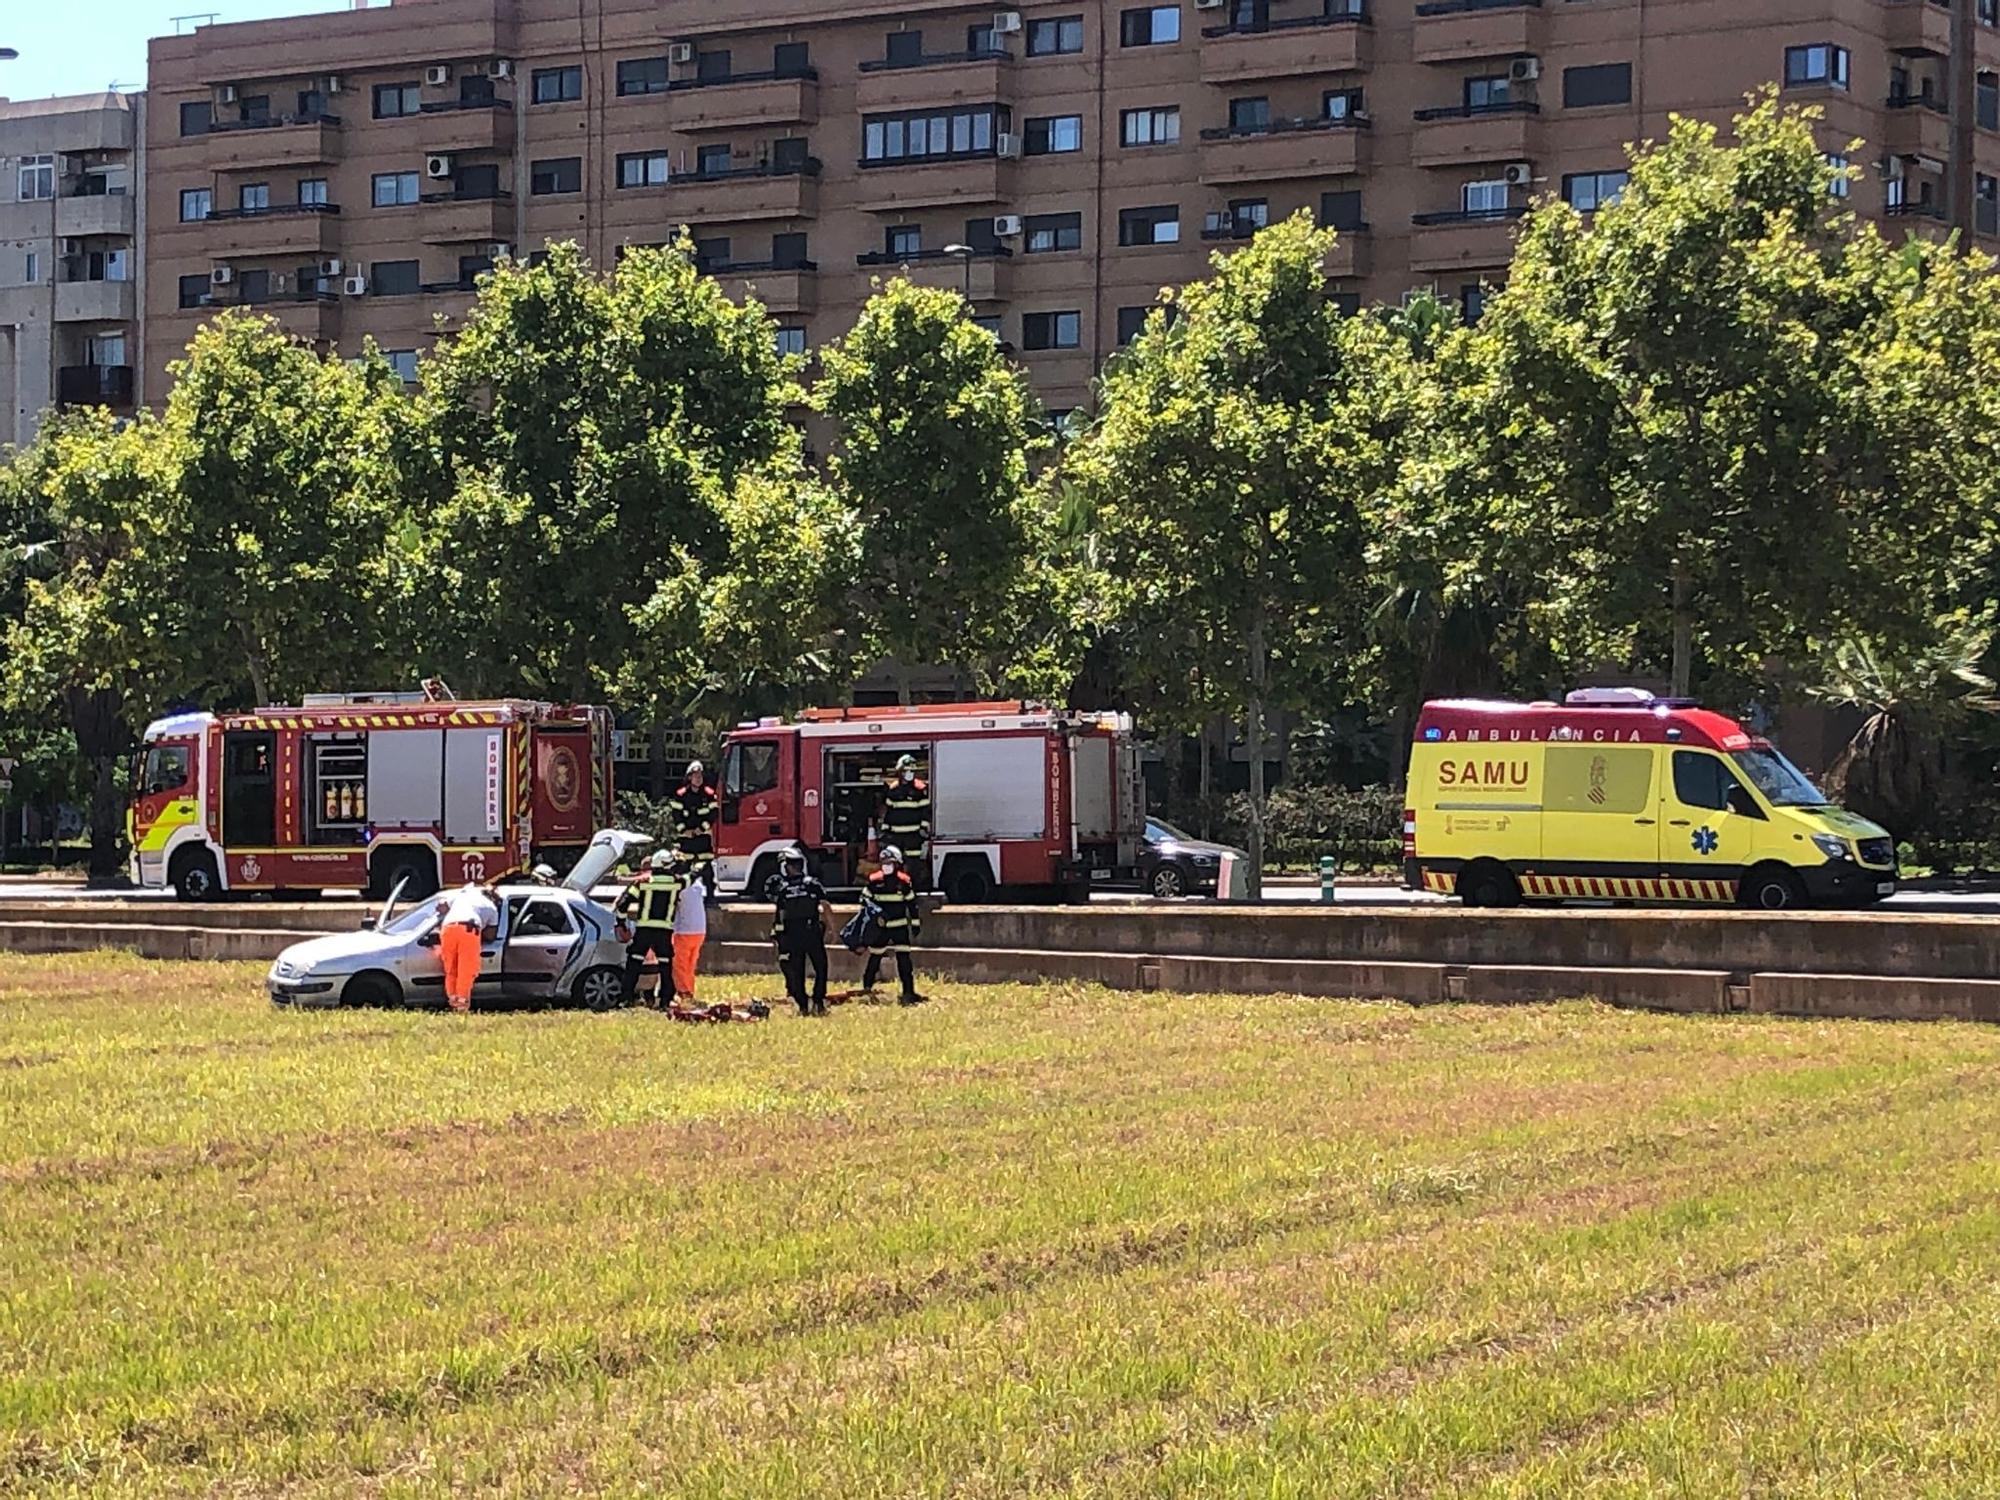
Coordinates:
x,y
1051,135
394,189
712,161
1341,210
254,197
642,75
1250,114
642,169
1471,301
1149,26
196,117
557,85
195,204
911,137
791,59
194,290
1342,104
31,268
1587,192
1839,184
1056,34
1986,204
1131,323
404,363
312,192
903,240
1347,304
1150,226
1051,330
255,110
559,174
253,286
1483,197
714,67
395,99
1150,127
38,178
1490,91
982,40
1047,233
791,341
788,251
1248,215
1820,63
394,278
1600,83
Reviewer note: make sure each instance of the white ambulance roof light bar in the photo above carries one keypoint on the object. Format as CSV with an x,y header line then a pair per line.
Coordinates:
x,y
1611,697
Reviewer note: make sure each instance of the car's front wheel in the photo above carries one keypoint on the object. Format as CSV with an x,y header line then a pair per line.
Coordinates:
x,y
1168,882
372,988
600,989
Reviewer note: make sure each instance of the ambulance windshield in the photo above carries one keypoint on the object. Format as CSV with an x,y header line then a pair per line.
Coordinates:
x,y
1782,783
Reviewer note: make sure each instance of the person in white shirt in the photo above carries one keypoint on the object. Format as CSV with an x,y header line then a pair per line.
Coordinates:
x,y
690,932
468,914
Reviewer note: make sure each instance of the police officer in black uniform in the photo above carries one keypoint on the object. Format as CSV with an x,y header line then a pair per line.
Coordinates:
x,y
695,806
906,816
799,920
895,896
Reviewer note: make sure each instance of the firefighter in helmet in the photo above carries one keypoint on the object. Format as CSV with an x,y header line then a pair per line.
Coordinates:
x,y
799,920
694,806
647,910
906,816
895,897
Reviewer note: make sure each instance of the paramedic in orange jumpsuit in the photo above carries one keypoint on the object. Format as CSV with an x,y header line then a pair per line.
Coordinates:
x,y
469,913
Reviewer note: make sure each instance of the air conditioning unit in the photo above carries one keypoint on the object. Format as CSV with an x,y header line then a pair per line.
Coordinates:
x,y
221,276
1006,22
72,247
331,266
500,67
437,75
499,250
1007,145
1524,70
1007,226
226,94
1208,4
437,166
330,84
681,52
1518,174
355,286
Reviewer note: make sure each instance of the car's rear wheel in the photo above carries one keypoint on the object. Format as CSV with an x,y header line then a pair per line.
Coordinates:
x,y
601,988
1169,882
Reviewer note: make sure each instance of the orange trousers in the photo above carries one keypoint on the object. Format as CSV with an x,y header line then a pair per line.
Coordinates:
x,y
458,946
687,953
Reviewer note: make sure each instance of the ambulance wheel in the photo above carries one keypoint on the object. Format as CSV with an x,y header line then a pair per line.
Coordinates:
x,y
601,988
1772,888
194,876
1489,884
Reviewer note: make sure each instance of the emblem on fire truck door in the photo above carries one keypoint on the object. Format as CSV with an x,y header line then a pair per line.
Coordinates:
x,y
762,807
249,869
564,781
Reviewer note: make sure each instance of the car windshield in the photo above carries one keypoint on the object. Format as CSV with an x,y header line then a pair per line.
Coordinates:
x,y
1159,830
415,920
1782,783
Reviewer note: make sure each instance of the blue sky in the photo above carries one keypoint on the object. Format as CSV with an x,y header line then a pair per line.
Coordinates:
x,y
79,46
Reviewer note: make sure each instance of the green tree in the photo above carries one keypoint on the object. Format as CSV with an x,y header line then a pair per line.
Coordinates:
x,y
101,638
1228,472
285,460
934,429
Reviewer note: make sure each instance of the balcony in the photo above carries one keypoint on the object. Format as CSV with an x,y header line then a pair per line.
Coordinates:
x,y
741,193
1462,241
94,385
467,125
983,276
934,182
96,214
94,302
453,218
1289,47
1453,30
1463,134
275,141
310,316
282,229
1285,148
1917,125
742,100
1919,28
936,78
782,286
1350,255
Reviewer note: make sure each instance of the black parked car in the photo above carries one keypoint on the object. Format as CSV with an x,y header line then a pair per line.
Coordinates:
x,y
1173,863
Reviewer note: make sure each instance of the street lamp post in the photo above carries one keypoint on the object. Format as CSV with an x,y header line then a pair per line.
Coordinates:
x,y
964,254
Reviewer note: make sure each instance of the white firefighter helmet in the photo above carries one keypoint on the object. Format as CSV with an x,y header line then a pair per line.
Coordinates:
x,y
543,874
891,855
694,770
906,765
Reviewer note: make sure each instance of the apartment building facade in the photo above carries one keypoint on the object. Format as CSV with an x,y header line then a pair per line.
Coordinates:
x,y
1058,160
71,218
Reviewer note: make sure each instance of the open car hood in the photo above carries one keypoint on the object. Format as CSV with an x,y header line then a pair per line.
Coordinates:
x,y
609,847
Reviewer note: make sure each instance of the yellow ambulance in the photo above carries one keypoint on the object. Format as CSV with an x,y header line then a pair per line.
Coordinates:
x,y
1617,795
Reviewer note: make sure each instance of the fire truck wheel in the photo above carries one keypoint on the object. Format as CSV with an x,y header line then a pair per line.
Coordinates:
x,y
601,988
194,876
419,871
966,881
1489,884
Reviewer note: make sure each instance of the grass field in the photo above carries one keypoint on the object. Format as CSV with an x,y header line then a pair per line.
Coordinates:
x,y
1019,1242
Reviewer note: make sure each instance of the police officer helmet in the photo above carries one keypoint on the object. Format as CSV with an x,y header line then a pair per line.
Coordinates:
x,y
891,855
793,858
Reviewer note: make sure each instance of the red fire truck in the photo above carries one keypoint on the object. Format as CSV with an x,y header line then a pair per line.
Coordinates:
x,y
1024,799
365,790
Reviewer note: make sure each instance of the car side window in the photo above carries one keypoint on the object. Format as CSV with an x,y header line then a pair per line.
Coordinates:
x,y
543,919
1702,781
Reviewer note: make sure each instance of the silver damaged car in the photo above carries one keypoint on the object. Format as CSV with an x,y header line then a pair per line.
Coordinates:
x,y
554,942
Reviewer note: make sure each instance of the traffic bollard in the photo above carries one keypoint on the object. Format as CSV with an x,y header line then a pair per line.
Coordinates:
x,y
1327,866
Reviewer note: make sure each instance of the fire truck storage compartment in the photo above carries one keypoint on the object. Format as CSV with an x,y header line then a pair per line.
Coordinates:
x,y
249,789
336,794
988,789
475,770
855,780
1093,788
405,777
